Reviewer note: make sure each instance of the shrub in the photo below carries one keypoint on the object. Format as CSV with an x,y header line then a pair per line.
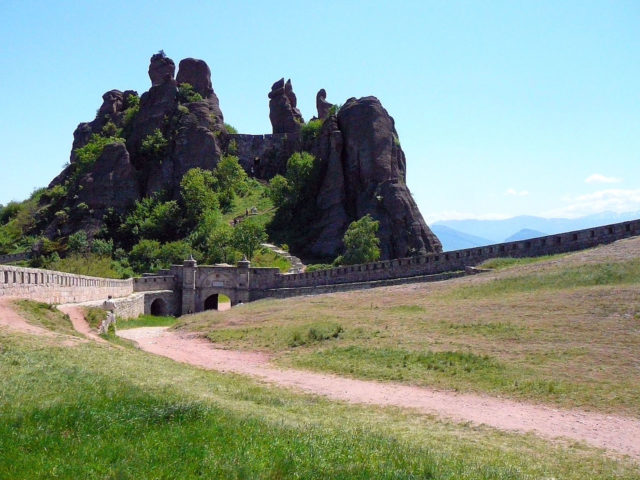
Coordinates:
x,y
247,237
78,242
233,147
311,130
187,94
132,108
102,247
86,156
361,243
154,145
230,129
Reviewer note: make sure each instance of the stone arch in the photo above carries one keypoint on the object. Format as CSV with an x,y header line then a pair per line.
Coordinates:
x,y
159,307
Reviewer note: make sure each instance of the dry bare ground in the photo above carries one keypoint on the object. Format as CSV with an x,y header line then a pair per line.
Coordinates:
x,y
614,433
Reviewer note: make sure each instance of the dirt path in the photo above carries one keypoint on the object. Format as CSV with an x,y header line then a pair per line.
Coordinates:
x,y
9,318
615,433
78,321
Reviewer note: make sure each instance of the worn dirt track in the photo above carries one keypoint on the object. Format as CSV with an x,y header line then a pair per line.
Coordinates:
x,y
614,433
11,319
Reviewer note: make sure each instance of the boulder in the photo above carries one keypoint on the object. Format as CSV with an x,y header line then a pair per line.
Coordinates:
x,y
322,105
161,68
284,116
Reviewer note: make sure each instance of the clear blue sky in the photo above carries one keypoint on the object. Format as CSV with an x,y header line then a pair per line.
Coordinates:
x,y
502,108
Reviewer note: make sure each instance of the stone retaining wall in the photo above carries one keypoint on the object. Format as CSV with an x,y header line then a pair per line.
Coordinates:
x,y
59,287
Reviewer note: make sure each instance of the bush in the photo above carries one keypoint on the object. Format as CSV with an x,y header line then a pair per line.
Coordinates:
x,y
78,242
154,145
86,156
318,266
311,130
187,94
360,242
144,255
230,129
101,247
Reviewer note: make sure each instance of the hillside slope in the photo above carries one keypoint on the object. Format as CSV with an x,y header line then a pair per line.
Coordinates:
x,y
561,330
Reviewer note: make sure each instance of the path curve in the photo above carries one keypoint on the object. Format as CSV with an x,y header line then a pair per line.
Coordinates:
x,y
611,432
80,324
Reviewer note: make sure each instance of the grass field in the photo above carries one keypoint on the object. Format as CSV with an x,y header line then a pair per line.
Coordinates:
x,y
98,411
563,330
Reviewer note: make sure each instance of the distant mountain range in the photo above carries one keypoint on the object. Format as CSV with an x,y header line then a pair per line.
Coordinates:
x,y
457,234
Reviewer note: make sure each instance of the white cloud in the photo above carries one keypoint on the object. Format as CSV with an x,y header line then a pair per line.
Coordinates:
x,y
515,193
611,200
599,178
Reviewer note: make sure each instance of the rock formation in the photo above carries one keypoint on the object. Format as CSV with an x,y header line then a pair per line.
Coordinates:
x,y
322,105
283,112
161,69
365,173
197,73
361,167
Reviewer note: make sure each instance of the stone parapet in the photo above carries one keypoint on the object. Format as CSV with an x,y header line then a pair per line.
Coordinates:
x,y
59,287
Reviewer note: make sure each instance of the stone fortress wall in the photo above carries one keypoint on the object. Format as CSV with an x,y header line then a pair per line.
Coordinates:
x,y
59,287
423,267
185,288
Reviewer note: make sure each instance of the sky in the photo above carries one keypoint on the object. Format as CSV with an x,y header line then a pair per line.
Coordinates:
x,y
502,108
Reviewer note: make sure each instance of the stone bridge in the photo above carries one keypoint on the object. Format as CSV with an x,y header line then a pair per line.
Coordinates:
x,y
190,288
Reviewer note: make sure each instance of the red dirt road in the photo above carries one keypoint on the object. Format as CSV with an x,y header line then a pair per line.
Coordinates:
x,y
611,432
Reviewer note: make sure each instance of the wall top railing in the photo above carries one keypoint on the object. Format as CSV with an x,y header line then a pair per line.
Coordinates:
x,y
11,275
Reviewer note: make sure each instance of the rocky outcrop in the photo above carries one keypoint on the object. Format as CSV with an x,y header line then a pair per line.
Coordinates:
x,y
364,172
112,181
161,69
283,112
322,105
361,167
197,73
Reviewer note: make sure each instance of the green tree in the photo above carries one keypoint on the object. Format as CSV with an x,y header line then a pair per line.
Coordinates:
x,y
279,191
145,256
247,237
78,242
198,195
361,243
230,175
174,253
300,174
220,247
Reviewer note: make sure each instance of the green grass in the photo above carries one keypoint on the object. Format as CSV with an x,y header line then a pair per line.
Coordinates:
x,y
508,262
267,258
145,321
563,333
94,316
277,337
254,198
614,273
46,316
397,365
100,412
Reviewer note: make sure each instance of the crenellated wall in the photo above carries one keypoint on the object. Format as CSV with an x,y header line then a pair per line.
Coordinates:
x,y
186,288
59,287
459,259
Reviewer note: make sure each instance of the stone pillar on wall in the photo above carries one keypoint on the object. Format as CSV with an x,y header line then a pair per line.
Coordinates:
x,y
242,281
189,268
